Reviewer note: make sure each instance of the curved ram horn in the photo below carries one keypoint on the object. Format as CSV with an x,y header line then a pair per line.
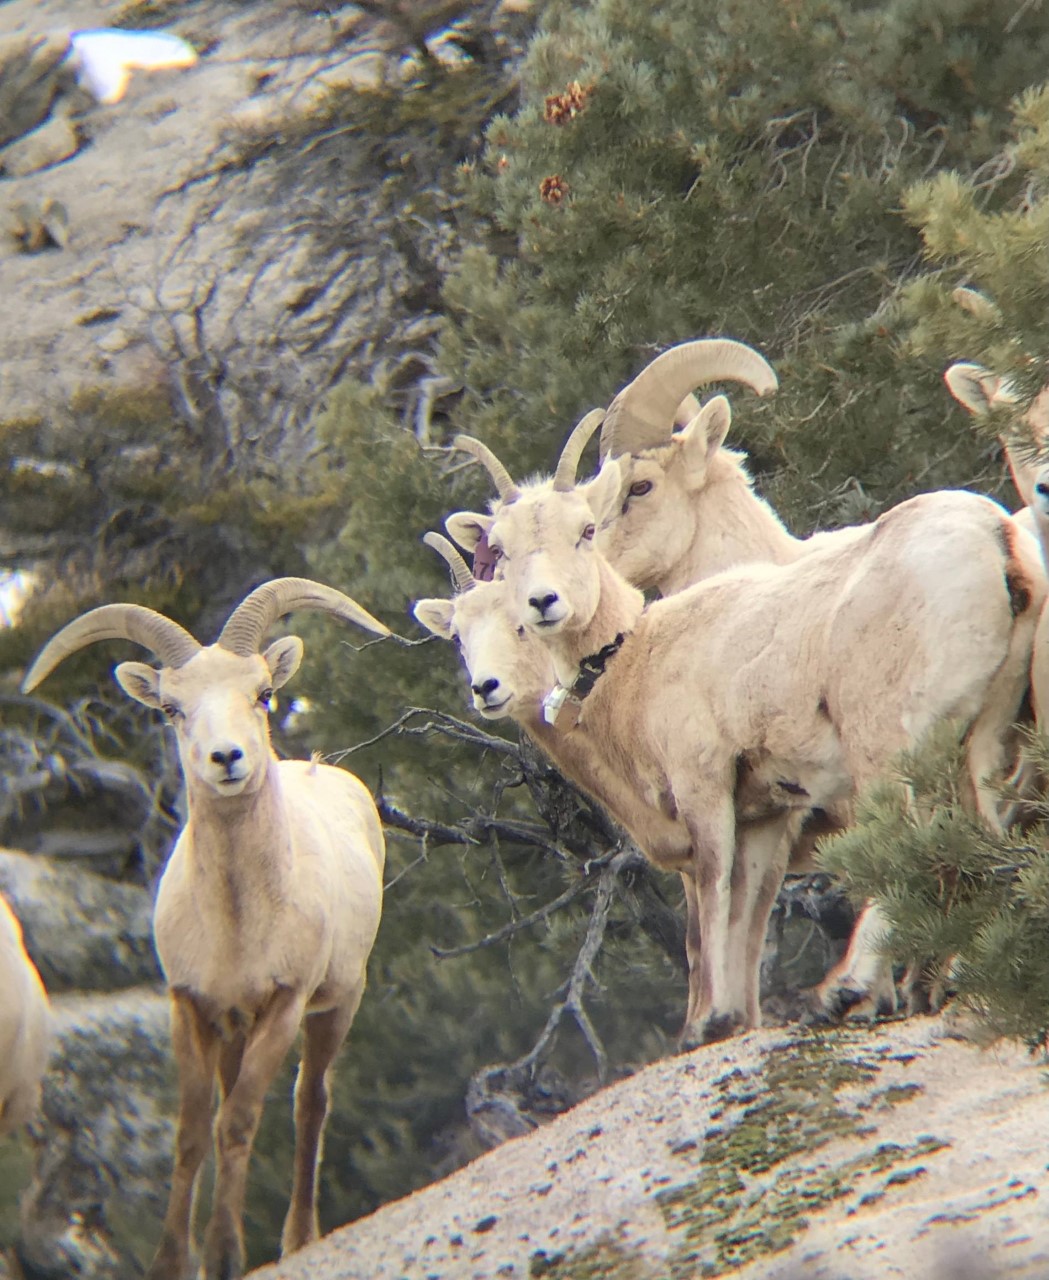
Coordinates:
x,y
461,571
504,483
568,463
172,644
248,623
642,414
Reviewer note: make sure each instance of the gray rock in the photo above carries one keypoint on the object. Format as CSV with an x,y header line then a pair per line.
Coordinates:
x,y
28,81
81,930
103,1140
49,143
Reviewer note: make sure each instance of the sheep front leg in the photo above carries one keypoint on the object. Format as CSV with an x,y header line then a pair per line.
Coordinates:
x,y
325,1033
195,1044
265,1049
716,1001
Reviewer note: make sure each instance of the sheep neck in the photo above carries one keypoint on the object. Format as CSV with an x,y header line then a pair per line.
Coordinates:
x,y
733,526
242,846
618,609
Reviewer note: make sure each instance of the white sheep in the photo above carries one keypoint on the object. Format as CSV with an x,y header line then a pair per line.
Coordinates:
x,y
810,677
267,909
511,671
25,1027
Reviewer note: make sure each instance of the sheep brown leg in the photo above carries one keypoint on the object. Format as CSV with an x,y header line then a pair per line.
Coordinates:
x,y
195,1044
325,1033
692,944
238,1119
764,852
714,1012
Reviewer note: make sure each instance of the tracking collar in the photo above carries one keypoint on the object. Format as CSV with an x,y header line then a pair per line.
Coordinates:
x,y
591,669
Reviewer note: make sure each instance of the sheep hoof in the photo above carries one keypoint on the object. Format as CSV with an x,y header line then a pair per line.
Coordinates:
x,y
714,1027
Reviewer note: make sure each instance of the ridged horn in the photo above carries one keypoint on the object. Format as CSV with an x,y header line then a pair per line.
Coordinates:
x,y
172,644
568,463
462,574
642,414
252,618
504,483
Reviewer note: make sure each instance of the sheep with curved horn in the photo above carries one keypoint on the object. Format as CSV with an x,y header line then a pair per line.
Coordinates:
x,y
775,668
266,912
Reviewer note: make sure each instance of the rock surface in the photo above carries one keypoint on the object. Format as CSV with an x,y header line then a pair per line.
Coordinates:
x,y
82,931
207,224
858,1153
102,1141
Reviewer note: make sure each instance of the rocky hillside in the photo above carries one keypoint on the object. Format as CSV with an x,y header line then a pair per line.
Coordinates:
x,y
895,1151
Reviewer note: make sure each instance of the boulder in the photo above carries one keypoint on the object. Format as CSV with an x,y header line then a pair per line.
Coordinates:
x,y
49,143
81,930
29,80
102,1143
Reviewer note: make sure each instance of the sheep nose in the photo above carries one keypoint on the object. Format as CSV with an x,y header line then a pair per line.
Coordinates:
x,y
541,603
486,688
226,758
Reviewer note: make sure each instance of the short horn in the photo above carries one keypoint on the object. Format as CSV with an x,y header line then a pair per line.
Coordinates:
x,y
248,623
462,575
568,463
172,644
642,414
504,484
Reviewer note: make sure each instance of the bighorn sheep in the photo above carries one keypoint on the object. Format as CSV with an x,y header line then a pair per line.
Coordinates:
x,y
979,390
687,510
927,613
25,1030
511,671
267,909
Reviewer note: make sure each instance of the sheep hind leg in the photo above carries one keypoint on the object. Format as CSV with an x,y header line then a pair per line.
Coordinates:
x,y
266,1047
860,985
325,1033
765,850
196,1047
717,1008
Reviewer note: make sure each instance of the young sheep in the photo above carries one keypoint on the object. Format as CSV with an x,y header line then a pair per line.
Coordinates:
x,y
267,909
25,1030
927,613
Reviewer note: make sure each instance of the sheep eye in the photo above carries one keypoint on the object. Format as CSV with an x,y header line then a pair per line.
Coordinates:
x,y
588,532
639,488
170,710
265,699
496,552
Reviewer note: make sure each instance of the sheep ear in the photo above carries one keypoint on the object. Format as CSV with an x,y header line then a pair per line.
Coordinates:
x,y
602,492
435,616
139,682
705,435
467,528
283,658
971,385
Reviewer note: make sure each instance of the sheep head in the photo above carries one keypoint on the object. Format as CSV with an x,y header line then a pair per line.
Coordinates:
x,y
547,556
509,672
216,697
655,519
